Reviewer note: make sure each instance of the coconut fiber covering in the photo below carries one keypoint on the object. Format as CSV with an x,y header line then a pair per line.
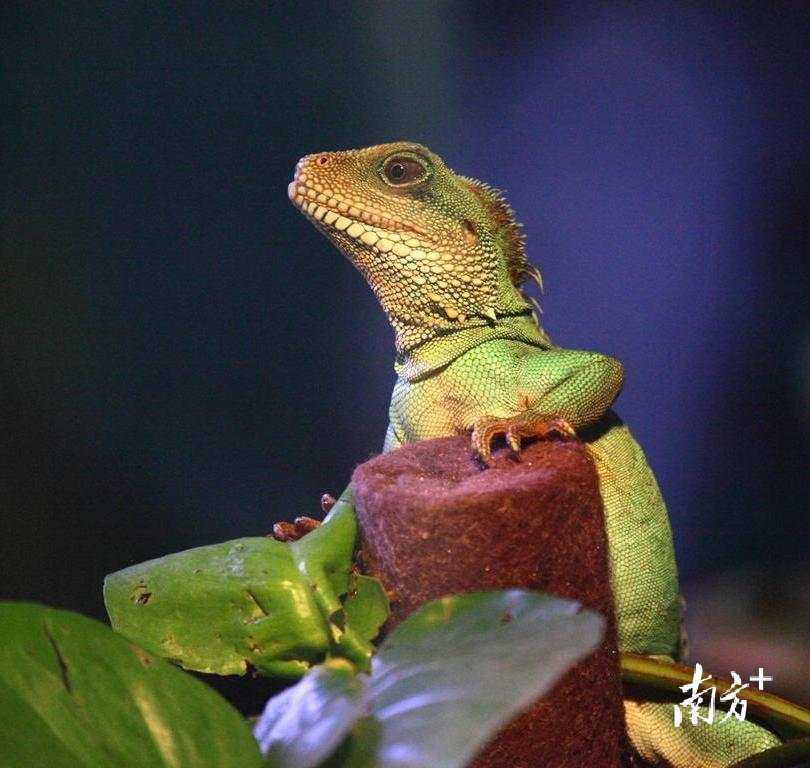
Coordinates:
x,y
433,522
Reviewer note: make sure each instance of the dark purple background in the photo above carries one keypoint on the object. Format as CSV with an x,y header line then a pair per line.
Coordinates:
x,y
183,359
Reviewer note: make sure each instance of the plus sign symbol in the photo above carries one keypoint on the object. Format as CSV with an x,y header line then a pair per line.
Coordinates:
x,y
760,678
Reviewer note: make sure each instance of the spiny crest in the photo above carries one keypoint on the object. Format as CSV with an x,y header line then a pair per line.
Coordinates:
x,y
509,233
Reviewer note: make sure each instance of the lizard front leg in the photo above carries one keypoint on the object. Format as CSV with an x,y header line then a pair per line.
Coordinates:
x,y
561,390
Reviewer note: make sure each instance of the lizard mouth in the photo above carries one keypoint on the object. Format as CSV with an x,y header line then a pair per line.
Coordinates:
x,y
381,233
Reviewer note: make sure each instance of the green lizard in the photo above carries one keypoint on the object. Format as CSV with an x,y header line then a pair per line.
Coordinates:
x,y
445,257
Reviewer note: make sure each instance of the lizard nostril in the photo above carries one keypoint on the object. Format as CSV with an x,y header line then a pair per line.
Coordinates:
x,y
322,160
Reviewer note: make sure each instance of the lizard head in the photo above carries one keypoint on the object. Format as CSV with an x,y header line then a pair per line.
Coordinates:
x,y
439,250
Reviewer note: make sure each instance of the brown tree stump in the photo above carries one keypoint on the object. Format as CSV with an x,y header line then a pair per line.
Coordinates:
x,y
434,523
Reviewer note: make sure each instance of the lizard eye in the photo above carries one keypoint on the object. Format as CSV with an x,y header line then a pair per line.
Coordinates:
x,y
403,171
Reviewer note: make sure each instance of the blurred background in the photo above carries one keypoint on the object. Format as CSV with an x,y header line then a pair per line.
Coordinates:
x,y
184,360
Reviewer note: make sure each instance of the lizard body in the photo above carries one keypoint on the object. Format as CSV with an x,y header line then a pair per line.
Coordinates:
x,y
445,257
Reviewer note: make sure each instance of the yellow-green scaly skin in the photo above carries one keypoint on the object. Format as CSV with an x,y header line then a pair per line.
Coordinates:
x,y
505,377
445,257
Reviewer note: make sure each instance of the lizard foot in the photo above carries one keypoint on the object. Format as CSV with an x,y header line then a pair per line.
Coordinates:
x,y
513,429
294,531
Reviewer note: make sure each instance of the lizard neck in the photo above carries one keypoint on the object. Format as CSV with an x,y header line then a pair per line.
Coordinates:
x,y
439,349
422,322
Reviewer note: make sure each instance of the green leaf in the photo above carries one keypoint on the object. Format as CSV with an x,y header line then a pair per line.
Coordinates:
x,y
365,609
324,556
460,669
303,725
255,601
75,694
220,608
450,677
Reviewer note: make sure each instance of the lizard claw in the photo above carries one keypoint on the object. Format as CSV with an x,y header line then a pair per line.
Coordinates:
x,y
513,439
284,532
294,531
556,427
513,429
485,430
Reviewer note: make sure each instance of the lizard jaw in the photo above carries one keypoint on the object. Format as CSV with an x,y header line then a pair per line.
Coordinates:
x,y
343,219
